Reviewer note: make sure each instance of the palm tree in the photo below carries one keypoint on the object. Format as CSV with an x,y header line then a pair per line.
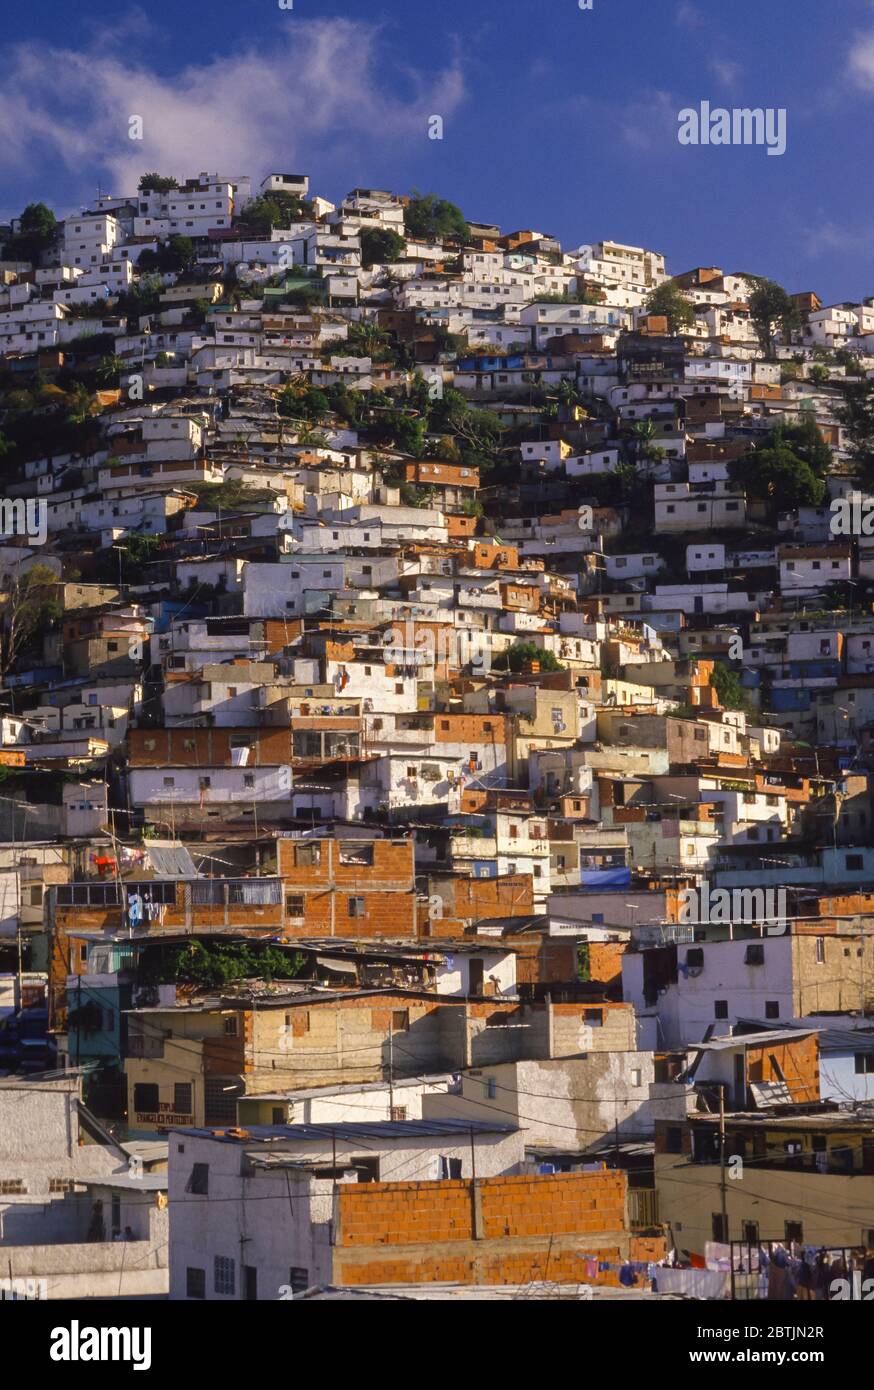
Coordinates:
x,y
567,392
108,370
368,337
80,404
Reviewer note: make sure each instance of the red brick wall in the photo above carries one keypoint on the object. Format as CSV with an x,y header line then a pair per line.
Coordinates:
x,y
530,1227
205,747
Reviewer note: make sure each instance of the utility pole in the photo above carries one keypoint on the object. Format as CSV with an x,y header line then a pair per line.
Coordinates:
x,y
391,1094
722,1194
78,1019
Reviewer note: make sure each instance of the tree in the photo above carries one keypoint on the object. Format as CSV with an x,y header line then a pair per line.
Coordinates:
x,y
37,229
176,255
381,246
476,432
668,300
157,183
644,432
779,477
429,218
271,210
80,403
728,687
771,309
522,654
27,608
303,403
211,964
856,414
365,339
108,369
805,440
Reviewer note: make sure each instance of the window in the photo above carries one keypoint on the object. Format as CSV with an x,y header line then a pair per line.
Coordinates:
x,y
820,950
307,855
673,1140
450,1167
400,1020
772,1008
751,1232
198,1182
864,1062
356,907
224,1281
719,1227
695,956
754,954
794,1231
182,1098
294,904
230,1026
593,1017
854,861
195,1283
145,1097
720,1008
298,1279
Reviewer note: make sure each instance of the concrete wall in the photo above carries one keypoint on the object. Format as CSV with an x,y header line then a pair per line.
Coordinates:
x,y
573,1103
39,1141
833,1209
104,1269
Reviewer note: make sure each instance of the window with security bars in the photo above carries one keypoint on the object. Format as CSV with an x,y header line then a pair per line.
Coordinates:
x,y
220,1100
182,1098
224,1276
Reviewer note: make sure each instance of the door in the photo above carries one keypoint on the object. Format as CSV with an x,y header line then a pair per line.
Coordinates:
x,y
475,978
250,1283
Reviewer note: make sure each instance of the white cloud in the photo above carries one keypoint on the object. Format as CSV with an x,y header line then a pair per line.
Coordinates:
x,y
861,61
726,72
688,15
650,124
828,238
323,92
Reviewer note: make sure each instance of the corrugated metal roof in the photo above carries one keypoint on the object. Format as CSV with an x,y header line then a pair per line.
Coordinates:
x,y
353,1132
171,861
752,1039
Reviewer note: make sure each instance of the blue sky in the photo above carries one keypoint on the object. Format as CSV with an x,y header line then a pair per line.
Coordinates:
x,y
557,118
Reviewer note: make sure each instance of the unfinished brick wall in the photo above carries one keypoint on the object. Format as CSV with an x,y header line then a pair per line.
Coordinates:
x,y
347,913
342,897
605,961
206,747
498,1231
475,898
